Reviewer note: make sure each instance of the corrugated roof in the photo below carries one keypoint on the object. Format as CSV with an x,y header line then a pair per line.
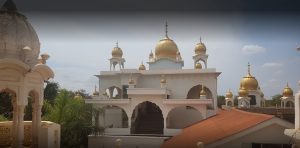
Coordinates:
x,y
224,124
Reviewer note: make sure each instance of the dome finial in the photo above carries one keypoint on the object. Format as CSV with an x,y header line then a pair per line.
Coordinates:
x,y
200,39
248,68
166,29
117,44
287,84
9,5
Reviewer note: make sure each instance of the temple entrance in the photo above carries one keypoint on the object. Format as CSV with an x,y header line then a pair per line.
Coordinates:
x,y
147,118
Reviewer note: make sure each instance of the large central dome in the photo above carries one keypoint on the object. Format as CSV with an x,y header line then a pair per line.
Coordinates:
x,y
18,40
166,48
249,82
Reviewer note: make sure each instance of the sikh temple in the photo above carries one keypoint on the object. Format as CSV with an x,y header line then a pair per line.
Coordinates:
x,y
175,107
22,76
155,100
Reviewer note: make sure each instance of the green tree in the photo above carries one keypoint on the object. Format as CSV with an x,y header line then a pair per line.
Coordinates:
x,y
74,116
51,91
276,100
6,108
221,101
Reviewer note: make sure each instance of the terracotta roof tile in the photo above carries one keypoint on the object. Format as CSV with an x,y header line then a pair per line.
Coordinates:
x,y
225,123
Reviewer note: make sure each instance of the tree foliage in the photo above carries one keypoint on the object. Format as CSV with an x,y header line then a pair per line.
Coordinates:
x,y
51,91
6,108
275,101
221,101
74,116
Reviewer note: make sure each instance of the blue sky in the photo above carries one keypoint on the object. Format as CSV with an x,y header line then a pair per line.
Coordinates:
x,y
80,45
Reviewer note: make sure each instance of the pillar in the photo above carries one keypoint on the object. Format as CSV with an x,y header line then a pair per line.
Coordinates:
x,y
15,123
20,127
38,125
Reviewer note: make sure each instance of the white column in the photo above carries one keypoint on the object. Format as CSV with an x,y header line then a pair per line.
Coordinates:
x,y
20,129
33,124
297,110
15,123
38,126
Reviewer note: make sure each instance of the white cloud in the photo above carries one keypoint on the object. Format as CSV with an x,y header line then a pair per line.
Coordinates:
x,y
272,64
253,49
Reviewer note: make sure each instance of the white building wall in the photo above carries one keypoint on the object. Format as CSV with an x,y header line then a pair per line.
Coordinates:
x,y
272,134
176,120
113,116
165,64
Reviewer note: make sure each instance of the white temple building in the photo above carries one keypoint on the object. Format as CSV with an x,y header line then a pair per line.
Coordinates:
x,y
160,100
287,99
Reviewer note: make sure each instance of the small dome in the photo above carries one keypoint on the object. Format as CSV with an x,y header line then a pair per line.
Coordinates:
x,y
131,81
117,52
229,94
249,82
151,54
198,66
200,48
243,92
287,91
203,92
166,48
95,93
163,80
18,39
142,67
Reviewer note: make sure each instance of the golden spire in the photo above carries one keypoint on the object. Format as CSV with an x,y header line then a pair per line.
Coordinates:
x,y
166,30
249,69
287,84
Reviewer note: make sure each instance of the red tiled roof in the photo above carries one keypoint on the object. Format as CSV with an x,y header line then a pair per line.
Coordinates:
x,y
224,124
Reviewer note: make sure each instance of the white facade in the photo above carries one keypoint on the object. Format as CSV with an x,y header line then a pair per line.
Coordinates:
x,y
166,93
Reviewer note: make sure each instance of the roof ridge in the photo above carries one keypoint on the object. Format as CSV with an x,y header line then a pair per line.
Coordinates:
x,y
253,113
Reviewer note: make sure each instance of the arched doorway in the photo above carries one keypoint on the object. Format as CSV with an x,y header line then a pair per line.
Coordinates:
x,y
289,104
252,100
6,104
115,117
182,116
194,92
229,103
147,118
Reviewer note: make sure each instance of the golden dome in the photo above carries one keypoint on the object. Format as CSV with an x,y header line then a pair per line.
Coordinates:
x,y
287,91
203,92
117,52
142,67
166,48
131,81
249,82
229,94
243,92
95,93
198,66
163,80
200,48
